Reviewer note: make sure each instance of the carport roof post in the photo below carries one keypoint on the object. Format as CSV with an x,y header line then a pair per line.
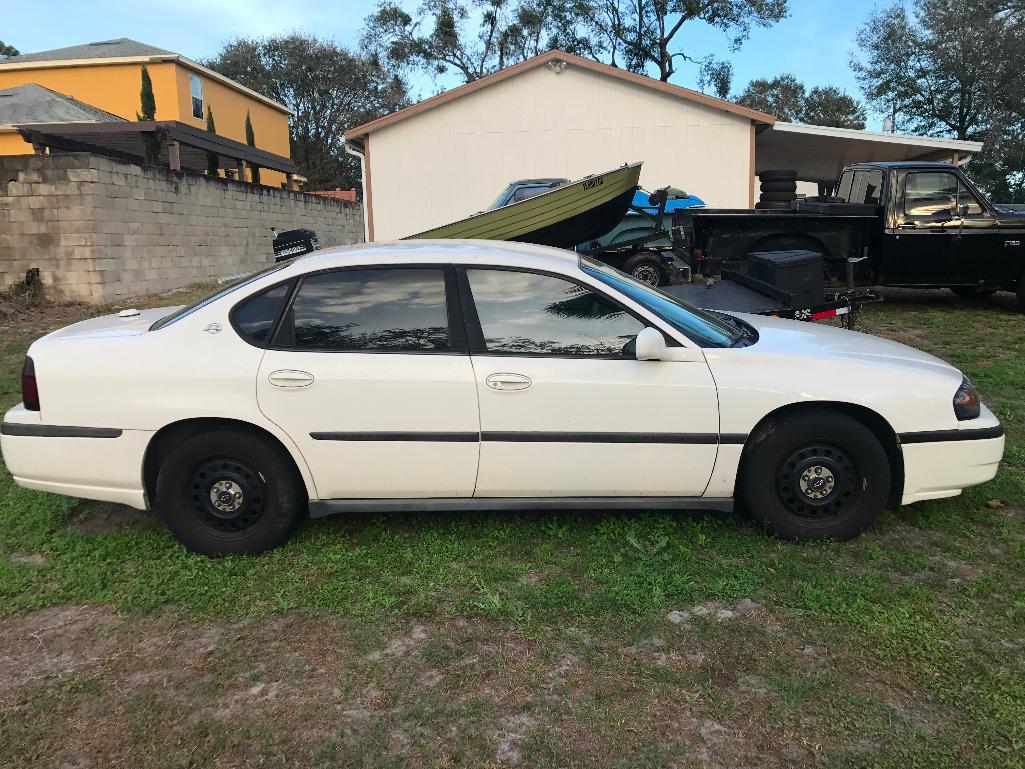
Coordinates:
x,y
820,153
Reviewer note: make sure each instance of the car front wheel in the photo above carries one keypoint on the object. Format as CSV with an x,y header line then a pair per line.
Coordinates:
x,y
816,475
224,492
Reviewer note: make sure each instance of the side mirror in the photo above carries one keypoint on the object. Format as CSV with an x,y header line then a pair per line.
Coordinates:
x,y
650,345
962,210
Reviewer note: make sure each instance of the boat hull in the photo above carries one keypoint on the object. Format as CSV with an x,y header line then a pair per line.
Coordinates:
x,y
564,217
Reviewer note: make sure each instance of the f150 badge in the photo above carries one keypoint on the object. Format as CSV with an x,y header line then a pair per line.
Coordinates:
x,y
1011,243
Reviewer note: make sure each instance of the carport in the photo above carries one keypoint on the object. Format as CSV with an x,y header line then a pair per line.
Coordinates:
x,y
819,153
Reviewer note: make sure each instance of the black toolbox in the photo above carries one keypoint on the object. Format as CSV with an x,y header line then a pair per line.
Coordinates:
x,y
794,275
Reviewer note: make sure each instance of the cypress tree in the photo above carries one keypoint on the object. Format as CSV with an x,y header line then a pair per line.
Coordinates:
x,y
212,161
148,104
251,141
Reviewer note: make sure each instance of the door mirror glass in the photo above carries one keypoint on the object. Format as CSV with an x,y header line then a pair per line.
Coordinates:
x,y
962,210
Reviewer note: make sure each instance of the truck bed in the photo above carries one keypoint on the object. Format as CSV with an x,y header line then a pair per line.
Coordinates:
x,y
723,295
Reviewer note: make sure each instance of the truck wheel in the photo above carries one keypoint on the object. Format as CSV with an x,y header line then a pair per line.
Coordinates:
x,y
647,269
223,492
815,475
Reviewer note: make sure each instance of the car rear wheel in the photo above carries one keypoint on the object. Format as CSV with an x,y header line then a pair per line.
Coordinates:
x,y
646,269
816,475
228,493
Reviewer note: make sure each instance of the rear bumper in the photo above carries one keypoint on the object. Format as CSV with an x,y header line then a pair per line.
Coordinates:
x,y
942,464
87,462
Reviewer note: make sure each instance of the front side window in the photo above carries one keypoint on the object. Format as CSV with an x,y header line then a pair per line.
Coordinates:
x,y
529,314
929,194
966,198
371,310
196,90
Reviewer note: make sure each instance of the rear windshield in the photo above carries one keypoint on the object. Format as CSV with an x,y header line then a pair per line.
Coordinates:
x,y
167,320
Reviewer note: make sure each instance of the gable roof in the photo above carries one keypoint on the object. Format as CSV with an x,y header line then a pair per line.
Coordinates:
x,y
32,103
104,49
123,50
567,58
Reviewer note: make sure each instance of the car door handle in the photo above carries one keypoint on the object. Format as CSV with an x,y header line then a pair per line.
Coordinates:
x,y
290,378
508,382
907,226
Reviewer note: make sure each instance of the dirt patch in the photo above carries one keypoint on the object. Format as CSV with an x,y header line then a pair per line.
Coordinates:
x,y
99,517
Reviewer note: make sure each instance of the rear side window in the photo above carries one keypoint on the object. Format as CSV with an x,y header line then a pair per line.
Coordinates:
x,y
255,317
374,310
526,313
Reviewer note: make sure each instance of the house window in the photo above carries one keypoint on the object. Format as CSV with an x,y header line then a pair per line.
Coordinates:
x,y
196,88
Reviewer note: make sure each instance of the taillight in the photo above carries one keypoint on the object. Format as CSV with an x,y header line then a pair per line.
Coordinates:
x,y
29,389
966,401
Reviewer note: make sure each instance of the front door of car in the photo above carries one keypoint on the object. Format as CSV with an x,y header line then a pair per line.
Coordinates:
x,y
979,242
369,375
922,250
564,410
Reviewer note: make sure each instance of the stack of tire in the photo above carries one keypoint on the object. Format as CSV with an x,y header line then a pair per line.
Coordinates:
x,y
779,190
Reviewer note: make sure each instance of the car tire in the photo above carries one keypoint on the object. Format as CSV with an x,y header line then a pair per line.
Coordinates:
x,y
647,269
814,475
773,186
972,292
777,196
226,492
778,175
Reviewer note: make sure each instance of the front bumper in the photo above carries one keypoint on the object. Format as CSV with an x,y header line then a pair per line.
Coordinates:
x,y
955,460
86,462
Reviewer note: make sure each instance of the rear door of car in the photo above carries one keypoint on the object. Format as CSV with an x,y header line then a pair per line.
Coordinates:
x,y
564,410
368,372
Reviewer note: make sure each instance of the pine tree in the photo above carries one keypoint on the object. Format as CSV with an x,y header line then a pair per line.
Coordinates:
x,y
148,104
212,160
251,141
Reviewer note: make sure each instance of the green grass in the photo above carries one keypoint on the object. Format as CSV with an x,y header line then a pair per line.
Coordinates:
x,y
547,633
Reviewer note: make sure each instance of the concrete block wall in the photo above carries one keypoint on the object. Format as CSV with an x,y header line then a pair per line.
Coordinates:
x,y
101,230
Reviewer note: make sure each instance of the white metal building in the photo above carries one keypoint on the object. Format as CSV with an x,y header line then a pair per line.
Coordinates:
x,y
559,115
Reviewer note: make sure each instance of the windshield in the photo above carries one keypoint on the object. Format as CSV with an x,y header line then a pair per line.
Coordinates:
x,y
167,320
704,328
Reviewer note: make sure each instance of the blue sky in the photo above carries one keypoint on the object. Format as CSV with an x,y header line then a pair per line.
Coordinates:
x,y
813,43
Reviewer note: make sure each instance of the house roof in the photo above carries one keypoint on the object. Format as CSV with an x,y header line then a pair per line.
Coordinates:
x,y
567,58
104,49
32,103
123,50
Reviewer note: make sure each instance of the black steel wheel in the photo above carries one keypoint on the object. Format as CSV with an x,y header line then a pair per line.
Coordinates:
x,y
645,268
227,492
815,474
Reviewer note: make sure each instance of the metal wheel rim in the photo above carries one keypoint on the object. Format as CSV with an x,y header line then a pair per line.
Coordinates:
x,y
817,481
646,273
227,495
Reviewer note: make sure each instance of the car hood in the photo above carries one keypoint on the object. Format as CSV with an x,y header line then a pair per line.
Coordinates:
x,y
112,325
801,339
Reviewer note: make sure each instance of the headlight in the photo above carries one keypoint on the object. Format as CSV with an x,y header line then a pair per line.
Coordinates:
x,y
966,401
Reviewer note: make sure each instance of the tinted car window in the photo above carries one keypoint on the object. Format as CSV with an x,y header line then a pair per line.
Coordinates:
x,y
966,198
254,318
930,194
375,310
526,313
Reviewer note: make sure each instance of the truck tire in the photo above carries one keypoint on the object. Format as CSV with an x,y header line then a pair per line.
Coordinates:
x,y
1021,293
773,205
778,196
647,269
779,187
778,176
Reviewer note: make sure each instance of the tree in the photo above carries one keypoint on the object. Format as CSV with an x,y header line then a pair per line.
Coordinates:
x,y
329,90
148,105
717,76
251,141
647,33
475,38
786,98
213,161
6,51
951,68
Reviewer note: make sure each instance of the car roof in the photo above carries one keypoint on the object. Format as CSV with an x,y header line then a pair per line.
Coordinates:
x,y
443,251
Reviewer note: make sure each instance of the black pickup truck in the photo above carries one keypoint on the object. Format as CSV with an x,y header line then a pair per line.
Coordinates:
x,y
912,224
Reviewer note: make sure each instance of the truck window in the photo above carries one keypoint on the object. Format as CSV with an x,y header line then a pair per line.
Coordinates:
x,y
864,186
965,197
843,189
930,193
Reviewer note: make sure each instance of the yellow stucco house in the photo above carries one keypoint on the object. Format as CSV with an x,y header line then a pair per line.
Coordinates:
x,y
105,78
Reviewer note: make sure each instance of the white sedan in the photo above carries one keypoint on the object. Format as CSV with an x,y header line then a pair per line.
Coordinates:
x,y
470,375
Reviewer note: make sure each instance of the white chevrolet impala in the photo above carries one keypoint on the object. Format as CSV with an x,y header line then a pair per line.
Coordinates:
x,y
469,375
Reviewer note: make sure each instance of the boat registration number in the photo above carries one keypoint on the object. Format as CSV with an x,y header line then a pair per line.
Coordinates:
x,y
590,184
